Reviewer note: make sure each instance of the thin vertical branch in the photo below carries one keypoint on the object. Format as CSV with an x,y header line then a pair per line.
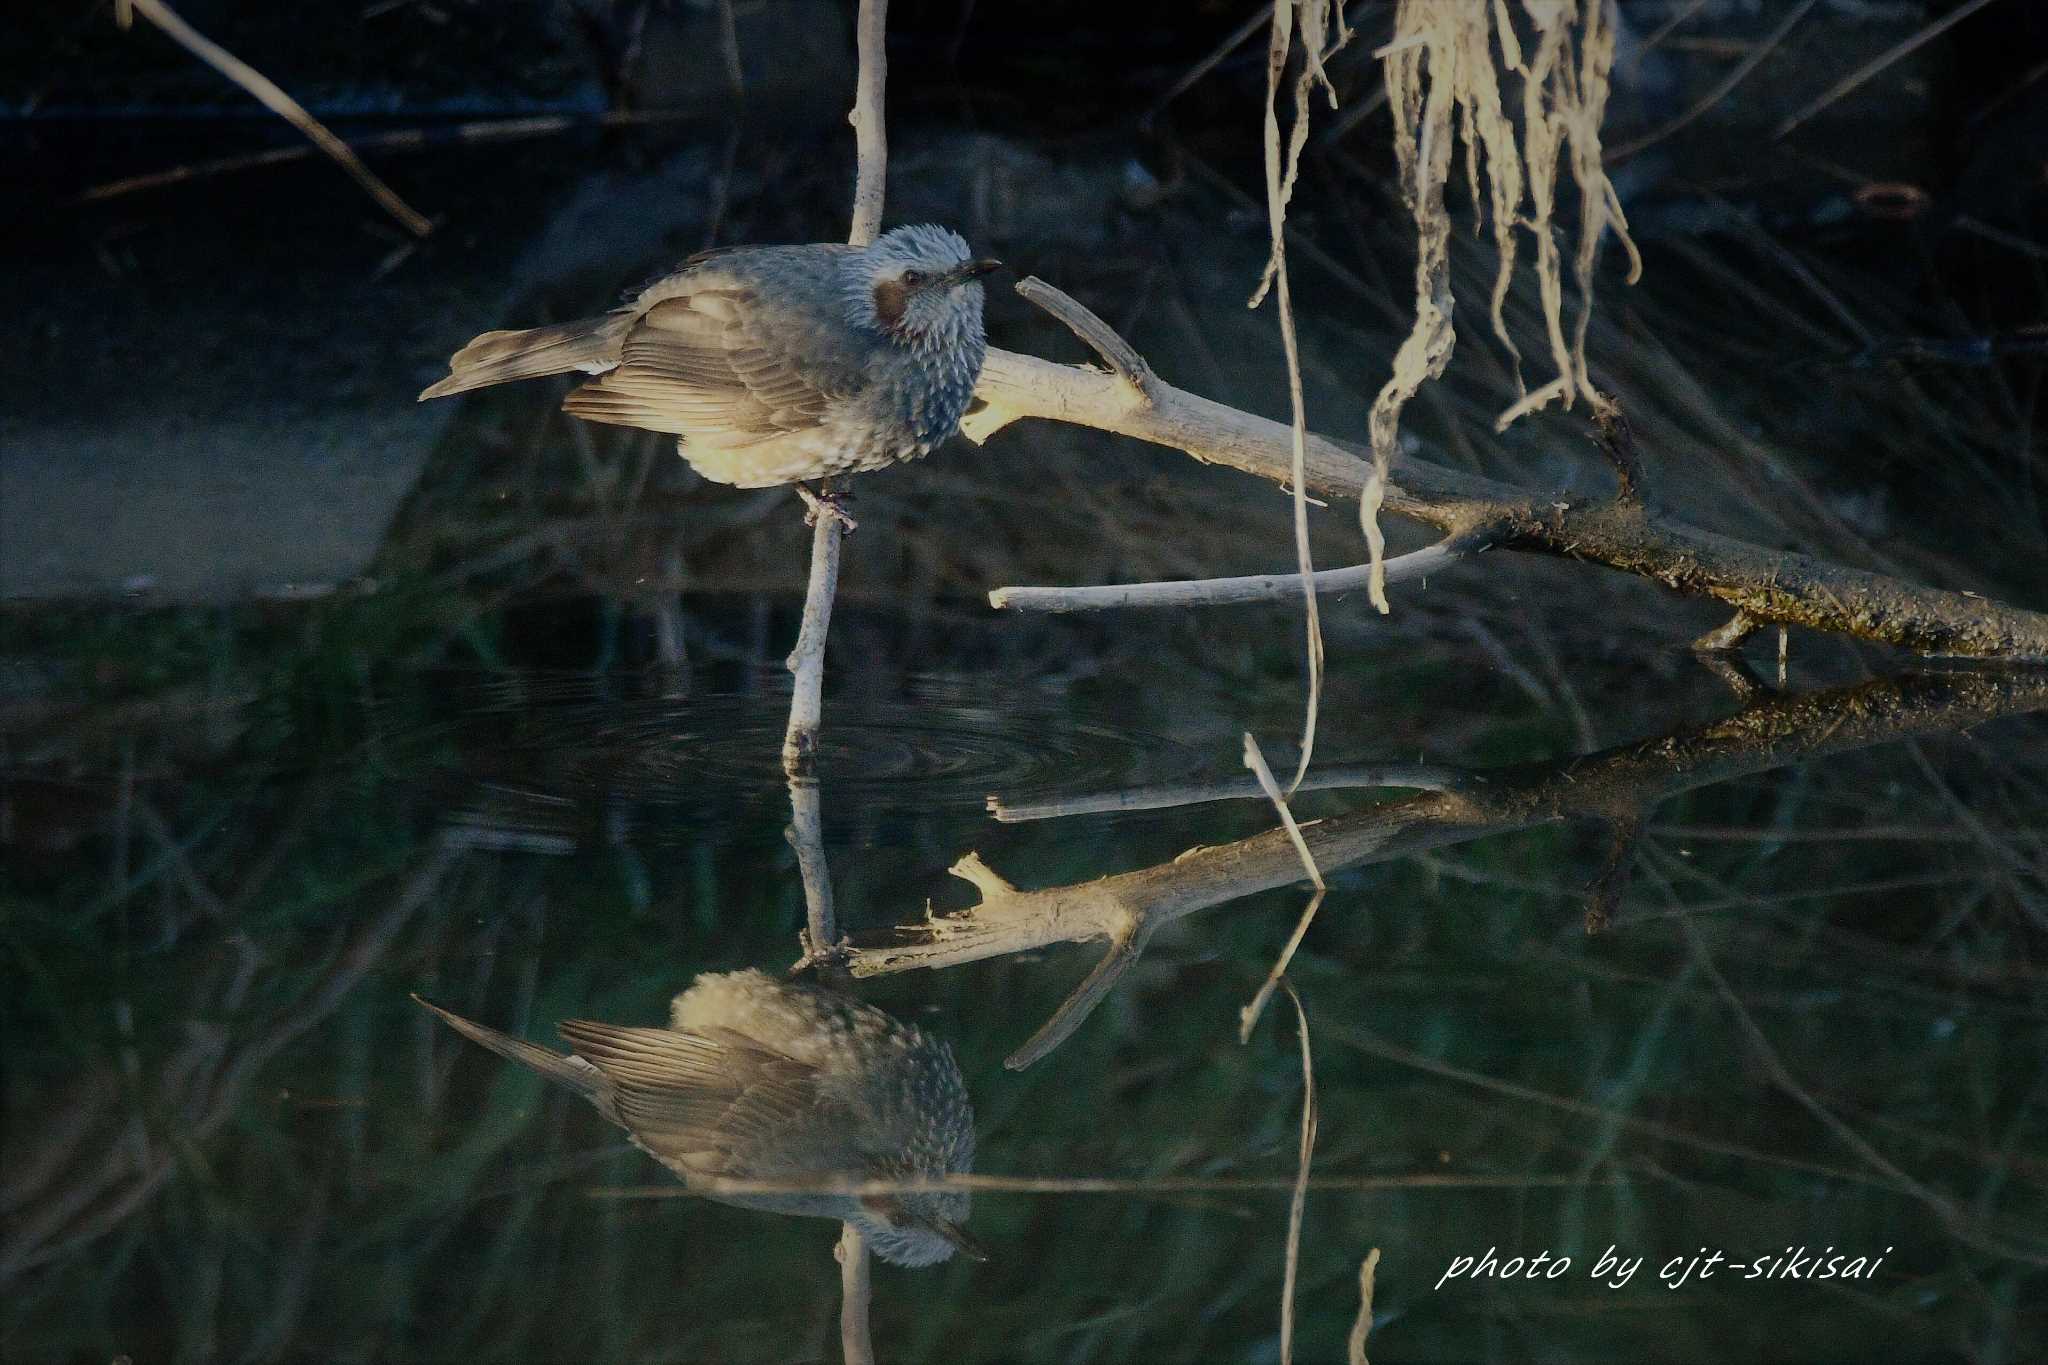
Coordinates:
x,y
871,140
871,148
807,660
821,944
854,1292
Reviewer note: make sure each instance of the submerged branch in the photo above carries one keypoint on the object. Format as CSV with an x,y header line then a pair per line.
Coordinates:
x,y
1772,586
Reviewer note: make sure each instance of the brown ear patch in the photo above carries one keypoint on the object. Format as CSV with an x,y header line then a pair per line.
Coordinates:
x,y
891,299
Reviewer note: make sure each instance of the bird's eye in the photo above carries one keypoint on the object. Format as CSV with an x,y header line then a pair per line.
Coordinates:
x,y
913,278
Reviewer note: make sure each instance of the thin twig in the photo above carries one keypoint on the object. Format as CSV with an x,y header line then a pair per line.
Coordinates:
x,y
1212,592
402,140
1740,73
270,96
1121,357
1193,75
1879,63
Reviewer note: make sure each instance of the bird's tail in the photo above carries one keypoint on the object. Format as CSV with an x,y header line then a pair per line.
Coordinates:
x,y
573,1072
587,344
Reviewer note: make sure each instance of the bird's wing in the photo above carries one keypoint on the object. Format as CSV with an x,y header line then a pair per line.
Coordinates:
x,y
727,360
717,1101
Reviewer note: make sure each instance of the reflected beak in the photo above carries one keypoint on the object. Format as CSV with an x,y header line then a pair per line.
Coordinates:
x,y
974,270
957,1235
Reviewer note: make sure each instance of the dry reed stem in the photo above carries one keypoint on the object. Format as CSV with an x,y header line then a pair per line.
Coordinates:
x,y
1314,18
267,93
1879,63
1736,76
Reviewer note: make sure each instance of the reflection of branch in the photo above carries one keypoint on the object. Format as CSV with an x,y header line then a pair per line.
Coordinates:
x,y
1610,884
1127,907
854,1292
1415,776
1773,586
821,946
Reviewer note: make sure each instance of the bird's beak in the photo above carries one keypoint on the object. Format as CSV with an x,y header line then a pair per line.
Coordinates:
x,y
974,270
957,1235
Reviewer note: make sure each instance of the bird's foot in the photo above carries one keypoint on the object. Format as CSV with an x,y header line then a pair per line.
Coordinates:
x,y
828,503
814,956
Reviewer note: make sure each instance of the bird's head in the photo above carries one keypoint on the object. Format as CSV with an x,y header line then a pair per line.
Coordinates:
x,y
921,286
918,1229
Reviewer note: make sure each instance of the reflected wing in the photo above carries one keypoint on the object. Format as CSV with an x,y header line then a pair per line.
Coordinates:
x,y
717,1100
722,362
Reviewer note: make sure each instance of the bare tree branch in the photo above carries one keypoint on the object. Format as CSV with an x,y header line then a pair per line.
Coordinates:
x,y
1774,586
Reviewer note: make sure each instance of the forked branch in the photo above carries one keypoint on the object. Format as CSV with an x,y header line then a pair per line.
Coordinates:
x,y
1771,586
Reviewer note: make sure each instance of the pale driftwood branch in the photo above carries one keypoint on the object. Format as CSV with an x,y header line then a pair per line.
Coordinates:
x,y
1775,587
1415,776
1213,592
267,93
854,1292
1618,783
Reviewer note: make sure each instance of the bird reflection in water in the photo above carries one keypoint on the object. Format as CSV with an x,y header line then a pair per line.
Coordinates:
x,y
766,1081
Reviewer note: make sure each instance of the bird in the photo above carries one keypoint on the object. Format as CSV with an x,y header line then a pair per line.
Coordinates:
x,y
759,1079
773,365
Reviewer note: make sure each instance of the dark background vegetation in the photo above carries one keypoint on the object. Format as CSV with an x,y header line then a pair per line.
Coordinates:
x,y
311,698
